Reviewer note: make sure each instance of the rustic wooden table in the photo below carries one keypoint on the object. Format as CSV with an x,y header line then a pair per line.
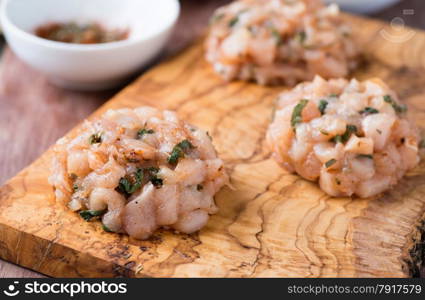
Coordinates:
x,y
33,114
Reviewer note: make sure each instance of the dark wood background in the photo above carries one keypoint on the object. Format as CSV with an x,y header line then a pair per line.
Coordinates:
x,y
34,114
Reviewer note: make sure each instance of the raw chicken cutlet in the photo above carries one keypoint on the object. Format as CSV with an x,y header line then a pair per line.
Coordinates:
x,y
280,41
139,170
353,137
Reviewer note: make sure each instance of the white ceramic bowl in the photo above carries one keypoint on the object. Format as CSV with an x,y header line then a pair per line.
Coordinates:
x,y
96,66
363,6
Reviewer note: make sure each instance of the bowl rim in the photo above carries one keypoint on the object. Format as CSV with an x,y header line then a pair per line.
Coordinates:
x,y
8,25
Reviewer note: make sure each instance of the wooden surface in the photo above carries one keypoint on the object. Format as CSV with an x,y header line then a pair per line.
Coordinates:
x,y
34,114
271,224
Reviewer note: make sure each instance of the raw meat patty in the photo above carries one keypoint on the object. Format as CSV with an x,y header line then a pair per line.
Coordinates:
x,y
353,137
280,41
139,170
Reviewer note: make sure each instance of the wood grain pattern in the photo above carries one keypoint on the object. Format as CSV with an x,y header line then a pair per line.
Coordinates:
x,y
26,98
271,224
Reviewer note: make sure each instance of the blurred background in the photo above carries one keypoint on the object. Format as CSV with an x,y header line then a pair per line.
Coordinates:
x,y
34,113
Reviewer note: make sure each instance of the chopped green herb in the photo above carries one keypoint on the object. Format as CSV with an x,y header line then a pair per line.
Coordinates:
x,y
276,36
422,144
104,227
365,156
233,21
179,151
301,37
131,183
215,18
152,174
89,214
324,132
322,106
186,145
95,138
337,139
330,163
333,96
398,108
388,99
75,187
125,185
369,111
199,187
144,131
350,129
175,155
152,170
157,182
296,113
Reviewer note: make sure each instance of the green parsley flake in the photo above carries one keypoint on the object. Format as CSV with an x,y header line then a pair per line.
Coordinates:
x,y
152,174
369,111
215,18
324,132
350,129
296,113
95,138
131,183
365,156
144,131
89,214
106,228
329,163
397,107
322,106
179,151
233,21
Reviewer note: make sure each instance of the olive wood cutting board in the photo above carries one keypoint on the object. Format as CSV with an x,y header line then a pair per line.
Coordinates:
x,y
271,223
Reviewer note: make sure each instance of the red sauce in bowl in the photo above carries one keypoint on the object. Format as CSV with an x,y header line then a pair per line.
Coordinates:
x,y
91,33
